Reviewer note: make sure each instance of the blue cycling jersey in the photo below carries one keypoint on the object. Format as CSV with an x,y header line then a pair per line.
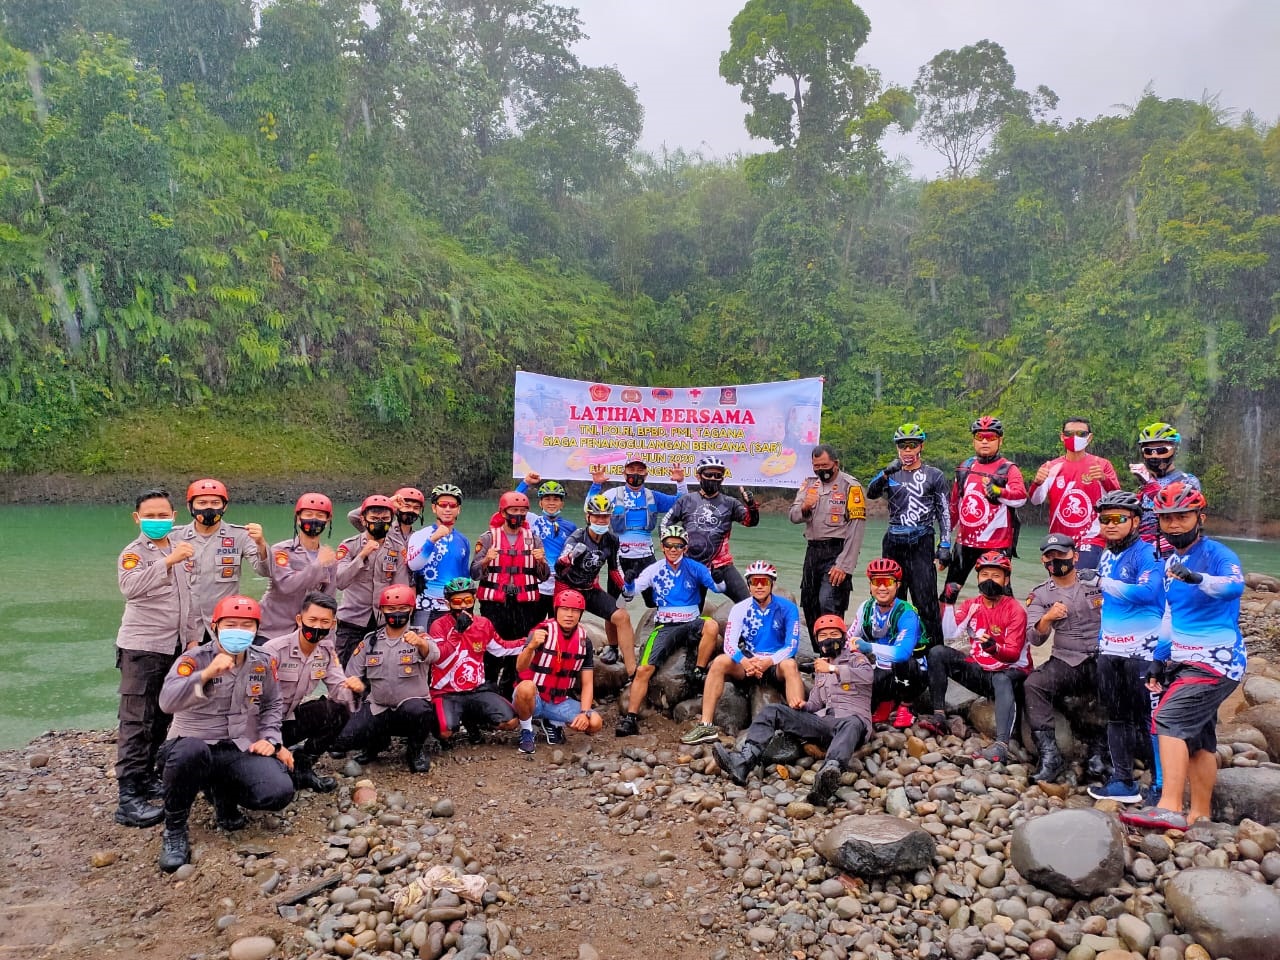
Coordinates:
x,y
1132,583
769,631
635,516
888,650
435,564
1201,622
676,589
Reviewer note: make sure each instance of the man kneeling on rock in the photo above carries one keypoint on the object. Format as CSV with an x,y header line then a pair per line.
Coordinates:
x,y
837,714
225,735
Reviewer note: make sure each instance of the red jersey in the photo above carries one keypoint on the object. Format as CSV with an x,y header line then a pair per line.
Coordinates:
x,y
461,664
1071,497
1005,622
977,520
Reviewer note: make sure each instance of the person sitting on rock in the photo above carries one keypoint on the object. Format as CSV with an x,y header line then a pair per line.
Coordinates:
x,y
888,631
458,688
393,664
558,655
1070,610
675,582
225,737
836,716
760,642
1199,661
995,625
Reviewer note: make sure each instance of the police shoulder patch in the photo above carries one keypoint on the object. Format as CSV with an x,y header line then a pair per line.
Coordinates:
x,y
282,558
186,667
342,551
130,560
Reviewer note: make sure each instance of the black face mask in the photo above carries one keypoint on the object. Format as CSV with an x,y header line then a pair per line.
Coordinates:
x,y
1181,541
825,475
313,634
208,516
408,519
1061,567
991,589
990,459
634,479
710,487
514,521
462,619
312,528
1159,466
378,529
397,620
830,648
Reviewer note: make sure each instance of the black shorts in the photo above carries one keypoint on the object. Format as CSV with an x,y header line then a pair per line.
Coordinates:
x,y
669,637
600,603
631,568
1189,708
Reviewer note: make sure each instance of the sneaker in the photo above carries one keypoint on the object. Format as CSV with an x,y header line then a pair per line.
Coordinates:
x,y
1154,818
553,732
628,726
527,742
825,784
701,733
902,717
1121,790
996,753
609,655
881,713
935,723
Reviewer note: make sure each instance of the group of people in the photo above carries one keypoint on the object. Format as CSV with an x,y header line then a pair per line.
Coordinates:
x,y
434,636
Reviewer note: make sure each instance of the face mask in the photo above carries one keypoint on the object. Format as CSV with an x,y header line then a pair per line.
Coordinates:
x,y
1158,466
408,519
710,487
635,479
312,528
207,516
551,516
235,640
1181,541
313,634
1075,444
397,620
598,528
156,529
830,648
462,619
378,529
514,520
825,475
991,589
1060,568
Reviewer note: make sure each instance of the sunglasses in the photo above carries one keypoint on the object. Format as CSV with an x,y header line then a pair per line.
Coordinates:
x,y
711,476
987,437
1113,519
908,444
760,582
673,545
1161,451
1076,433
883,582
461,603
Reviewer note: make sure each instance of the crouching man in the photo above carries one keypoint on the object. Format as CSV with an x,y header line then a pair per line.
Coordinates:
x,y
837,714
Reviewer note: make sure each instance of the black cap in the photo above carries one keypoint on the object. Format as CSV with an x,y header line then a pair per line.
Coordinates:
x,y
1057,541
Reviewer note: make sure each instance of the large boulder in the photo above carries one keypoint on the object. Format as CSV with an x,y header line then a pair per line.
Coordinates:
x,y
1265,718
733,712
875,845
608,679
784,748
1073,853
1227,912
669,683
1252,792
764,694
1259,690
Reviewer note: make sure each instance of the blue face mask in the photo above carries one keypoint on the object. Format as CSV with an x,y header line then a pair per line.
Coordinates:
x,y
156,529
235,640
599,529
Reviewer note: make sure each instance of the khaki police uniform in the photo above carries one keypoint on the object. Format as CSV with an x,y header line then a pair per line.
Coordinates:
x,y
293,571
361,580
833,529
157,605
311,724
397,681
213,571
214,724
1072,669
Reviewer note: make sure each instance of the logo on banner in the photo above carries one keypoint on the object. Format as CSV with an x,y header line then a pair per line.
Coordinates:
x,y
728,396
631,395
599,392
662,394
695,396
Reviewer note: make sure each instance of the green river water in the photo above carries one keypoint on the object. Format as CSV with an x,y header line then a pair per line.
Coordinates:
x,y
60,606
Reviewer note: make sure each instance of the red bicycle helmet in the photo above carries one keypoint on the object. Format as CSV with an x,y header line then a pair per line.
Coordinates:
x,y
884,567
412,494
396,595
512,499
994,558
571,599
313,501
377,500
987,424
829,621
1178,497
237,606
207,488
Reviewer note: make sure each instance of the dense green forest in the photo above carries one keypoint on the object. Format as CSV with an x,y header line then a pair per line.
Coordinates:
x,y
310,235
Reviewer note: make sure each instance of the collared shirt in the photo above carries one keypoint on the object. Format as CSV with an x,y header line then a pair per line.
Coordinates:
x,y
1075,636
294,572
847,691
298,673
157,600
243,705
839,514
213,571
362,579
393,671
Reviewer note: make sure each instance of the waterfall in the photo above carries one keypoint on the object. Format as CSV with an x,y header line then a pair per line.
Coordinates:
x,y
1251,442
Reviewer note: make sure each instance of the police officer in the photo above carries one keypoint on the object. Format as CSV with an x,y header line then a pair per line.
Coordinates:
x,y
1071,611
157,606
408,504
303,659
299,566
367,563
225,736
219,548
393,664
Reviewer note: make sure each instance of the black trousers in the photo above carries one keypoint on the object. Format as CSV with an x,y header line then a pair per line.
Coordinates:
x,y
314,727
1122,688
246,779
478,709
840,735
901,684
1002,686
817,595
143,725
412,720
1050,682
919,577
349,635
735,587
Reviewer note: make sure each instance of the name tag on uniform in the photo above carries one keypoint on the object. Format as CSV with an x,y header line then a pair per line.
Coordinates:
x,y
255,689
289,666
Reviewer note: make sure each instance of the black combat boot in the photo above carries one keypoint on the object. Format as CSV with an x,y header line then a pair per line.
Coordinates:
x,y
306,778
1051,760
417,757
825,784
175,845
226,811
738,764
133,809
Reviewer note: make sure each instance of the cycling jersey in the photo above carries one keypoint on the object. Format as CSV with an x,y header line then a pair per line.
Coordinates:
x,y
435,564
917,499
770,631
978,521
676,588
893,635
1071,497
583,558
1132,583
1005,622
1149,528
1201,623
635,516
707,521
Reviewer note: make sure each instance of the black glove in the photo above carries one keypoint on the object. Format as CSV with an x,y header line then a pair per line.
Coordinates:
x,y
893,466
1180,571
1089,576
943,554
1155,671
992,490
747,497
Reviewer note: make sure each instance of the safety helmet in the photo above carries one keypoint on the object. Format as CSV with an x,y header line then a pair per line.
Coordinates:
x,y
552,488
598,504
991,424
207,488
674,531
1119,500
412,493
511,499
1158,432
709,463
236,606
445,490
1178,497
994,558
571,599
761,569
376,500
829,621
909,431
884,567
313,501
459,585
396,595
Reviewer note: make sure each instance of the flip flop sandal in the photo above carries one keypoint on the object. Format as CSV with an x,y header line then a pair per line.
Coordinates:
x,y
1154,818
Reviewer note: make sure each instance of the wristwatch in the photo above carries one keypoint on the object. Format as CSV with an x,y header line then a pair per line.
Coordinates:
x,y
276,747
